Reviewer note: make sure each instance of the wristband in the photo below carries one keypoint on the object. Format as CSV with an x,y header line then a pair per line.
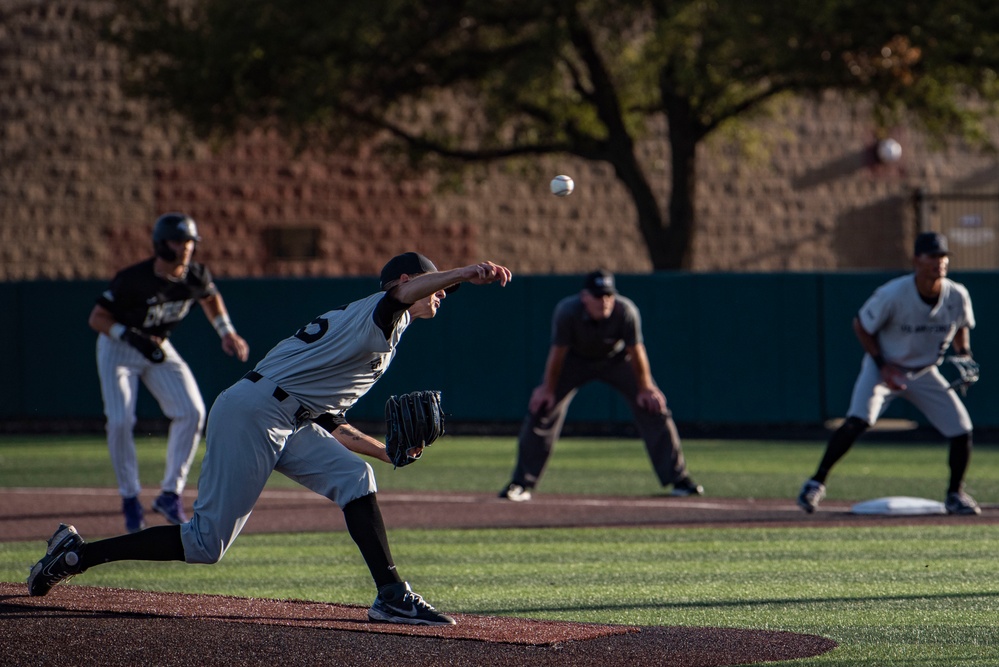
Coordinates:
x,y
117,330
223,325
879,360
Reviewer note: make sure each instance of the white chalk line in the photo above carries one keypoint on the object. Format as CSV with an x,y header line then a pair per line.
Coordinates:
x,y
457,499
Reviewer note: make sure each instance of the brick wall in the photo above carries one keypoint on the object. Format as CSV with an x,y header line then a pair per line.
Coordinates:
x,y
84,171
353,212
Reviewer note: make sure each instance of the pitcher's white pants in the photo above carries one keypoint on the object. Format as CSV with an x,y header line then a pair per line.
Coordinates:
x,y
250,435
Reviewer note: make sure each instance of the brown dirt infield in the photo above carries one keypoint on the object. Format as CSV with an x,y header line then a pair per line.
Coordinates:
x,y
88,625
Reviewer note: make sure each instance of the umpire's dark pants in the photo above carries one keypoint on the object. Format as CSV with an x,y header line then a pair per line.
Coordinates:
x,y
539,432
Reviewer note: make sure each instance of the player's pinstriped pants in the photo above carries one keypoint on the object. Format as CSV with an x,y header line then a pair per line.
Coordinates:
x,y
120,367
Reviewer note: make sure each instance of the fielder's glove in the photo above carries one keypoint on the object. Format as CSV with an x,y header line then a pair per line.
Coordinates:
x,y
414,421
967,371
144,344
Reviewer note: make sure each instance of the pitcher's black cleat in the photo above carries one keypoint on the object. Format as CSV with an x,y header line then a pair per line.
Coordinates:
x,y
399,604
61,561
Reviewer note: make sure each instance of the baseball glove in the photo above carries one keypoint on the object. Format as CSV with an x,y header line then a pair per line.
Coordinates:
x,y
144,344
967,372
414,421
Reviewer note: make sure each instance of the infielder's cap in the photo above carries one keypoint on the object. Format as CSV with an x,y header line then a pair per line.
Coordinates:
x,y
599,283
931,243
410,263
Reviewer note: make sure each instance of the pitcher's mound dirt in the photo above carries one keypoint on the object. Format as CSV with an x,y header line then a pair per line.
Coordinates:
x,y
83,625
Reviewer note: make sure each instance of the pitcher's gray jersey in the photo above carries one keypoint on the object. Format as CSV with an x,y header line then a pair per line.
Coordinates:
x,y
911,333
335,359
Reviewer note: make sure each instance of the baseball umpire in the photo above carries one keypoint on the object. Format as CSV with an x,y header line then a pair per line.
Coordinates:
x,y
905,328
597,336
289,415
134,318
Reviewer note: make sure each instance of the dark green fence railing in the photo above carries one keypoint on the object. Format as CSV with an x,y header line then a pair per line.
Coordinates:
x,y
725,348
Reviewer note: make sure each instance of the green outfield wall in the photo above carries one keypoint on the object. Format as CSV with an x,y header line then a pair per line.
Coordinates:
x,y
727,349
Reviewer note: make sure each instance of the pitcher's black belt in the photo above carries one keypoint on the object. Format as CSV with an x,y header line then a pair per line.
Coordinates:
x,y
279,394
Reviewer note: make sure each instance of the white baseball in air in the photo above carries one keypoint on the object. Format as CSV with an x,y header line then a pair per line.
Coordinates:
x,y
562,186
889,151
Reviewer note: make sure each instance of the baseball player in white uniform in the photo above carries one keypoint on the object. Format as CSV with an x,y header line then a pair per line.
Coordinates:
x,y
134,318
905,328
289,415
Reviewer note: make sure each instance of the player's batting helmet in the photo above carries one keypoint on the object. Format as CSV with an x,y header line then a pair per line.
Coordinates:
x,y
173,227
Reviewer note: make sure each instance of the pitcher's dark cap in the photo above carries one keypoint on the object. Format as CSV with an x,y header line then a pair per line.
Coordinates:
x,y
599,283
931,243
410,263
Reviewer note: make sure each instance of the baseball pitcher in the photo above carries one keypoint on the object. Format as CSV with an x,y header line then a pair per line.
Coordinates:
x,y
289,415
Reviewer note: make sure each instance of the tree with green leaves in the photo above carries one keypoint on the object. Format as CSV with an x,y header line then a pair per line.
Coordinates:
x,y
588,78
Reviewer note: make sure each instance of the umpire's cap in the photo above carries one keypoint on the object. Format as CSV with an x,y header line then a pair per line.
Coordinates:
x,y
600,283
411,263
931,243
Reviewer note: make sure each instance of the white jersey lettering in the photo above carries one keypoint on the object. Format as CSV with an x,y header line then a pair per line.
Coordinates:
x,y
171,311
912,333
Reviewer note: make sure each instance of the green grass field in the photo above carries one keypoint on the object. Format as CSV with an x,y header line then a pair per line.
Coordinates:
x,y
906,595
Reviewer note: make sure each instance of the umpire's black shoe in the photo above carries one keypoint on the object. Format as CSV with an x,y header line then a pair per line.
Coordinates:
x,y
398,603
687,487
61,561
516,493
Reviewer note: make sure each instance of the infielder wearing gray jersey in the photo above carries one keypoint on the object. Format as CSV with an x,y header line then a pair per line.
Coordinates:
x,y
597,336
134,318
905,328
289,415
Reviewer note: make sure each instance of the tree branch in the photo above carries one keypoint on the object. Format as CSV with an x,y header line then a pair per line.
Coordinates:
x,y
424,143
740,108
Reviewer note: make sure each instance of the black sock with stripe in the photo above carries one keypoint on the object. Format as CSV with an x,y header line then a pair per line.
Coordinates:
x,y
367,529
